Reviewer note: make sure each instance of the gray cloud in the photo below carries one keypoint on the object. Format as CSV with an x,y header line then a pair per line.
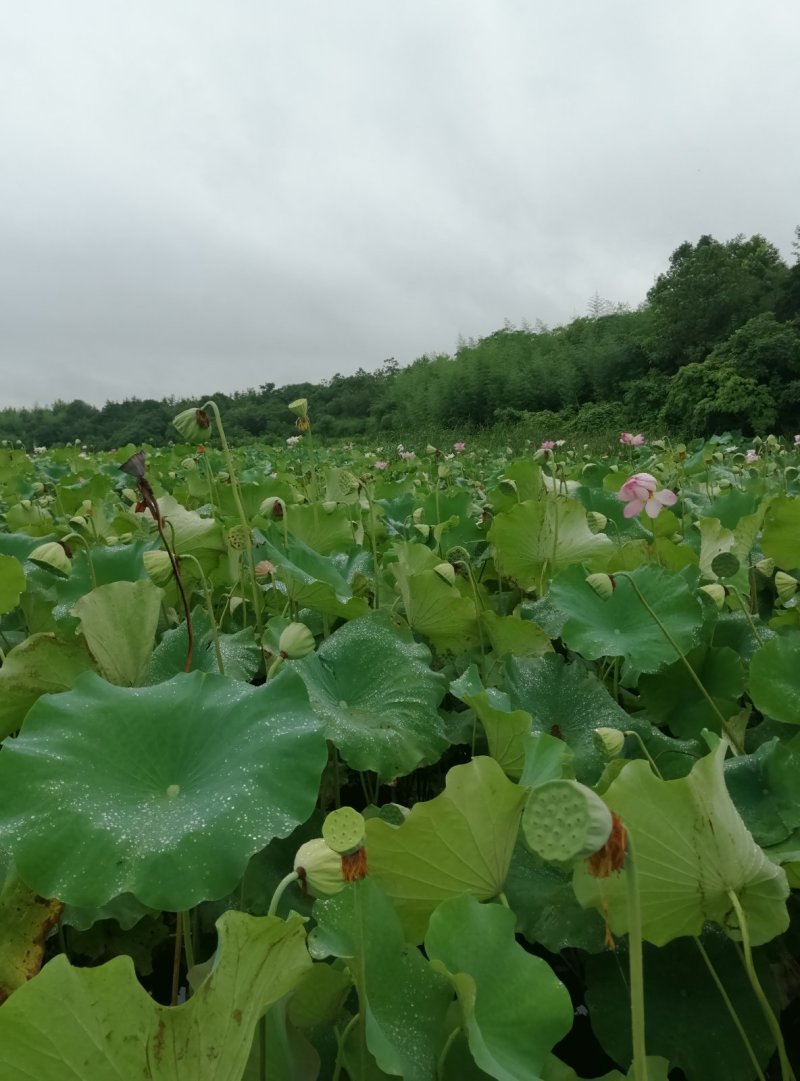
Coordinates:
x,y
201,195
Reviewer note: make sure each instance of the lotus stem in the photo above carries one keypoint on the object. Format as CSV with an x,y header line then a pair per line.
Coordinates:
x,y
731,1010
636,967
280,889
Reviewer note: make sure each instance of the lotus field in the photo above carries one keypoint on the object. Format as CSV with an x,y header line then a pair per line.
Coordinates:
x,y
371,762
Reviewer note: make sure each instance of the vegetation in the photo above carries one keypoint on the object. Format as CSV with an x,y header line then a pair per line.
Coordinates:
x,y
446,766
715,346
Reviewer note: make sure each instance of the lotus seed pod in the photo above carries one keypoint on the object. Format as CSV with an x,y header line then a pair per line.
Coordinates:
x,y
418,515
237,537
602,584
394,814
430,449
725,564
565,821
329,506
344,830
158,566
447,572
299,407
193,424
296,641
78,522
52,557
37,487
423,530
111,539
596,521
130,495
508,484
319,868
189,464
785,585
766,567
444,472
457,554
716,592
125,538
610,740
772,441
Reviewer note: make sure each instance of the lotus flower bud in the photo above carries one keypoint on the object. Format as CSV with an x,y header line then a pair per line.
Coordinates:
x,y
602,584
296,641
319,868
785,585
273,507
193,424
447,572
716,592
52,557
610,740
596,521
158,566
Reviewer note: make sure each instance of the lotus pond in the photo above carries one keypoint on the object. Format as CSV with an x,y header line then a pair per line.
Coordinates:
x,y
434,763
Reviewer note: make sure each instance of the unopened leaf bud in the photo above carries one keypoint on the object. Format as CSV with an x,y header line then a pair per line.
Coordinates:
x,y
296,641
52,557
158,566
602,584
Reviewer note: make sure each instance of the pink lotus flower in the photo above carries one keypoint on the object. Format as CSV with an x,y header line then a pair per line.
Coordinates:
x,y
631,440
751,457
547,444
380,465
407,455
797,440
458,447
639,492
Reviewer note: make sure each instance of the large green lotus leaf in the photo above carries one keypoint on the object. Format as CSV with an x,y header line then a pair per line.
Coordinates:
x,y
567,701
620,625
781,537
372,685
12,583
513,1006
691,849
89,1024
311,580
402,1000
163,792
671,696
512,635
551,533
556,1070
774,684
507,729
241,653
325,531
459,842
27,920
715,539
41,664
541,896
764,786
685,1014
434,607
191,534
120,563
119,623
527,478
281,1049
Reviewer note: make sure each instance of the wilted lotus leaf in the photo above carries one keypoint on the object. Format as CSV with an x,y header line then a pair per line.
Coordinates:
x,y
163,792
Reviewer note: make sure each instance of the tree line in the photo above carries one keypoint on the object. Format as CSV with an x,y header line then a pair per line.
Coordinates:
x,y
714,347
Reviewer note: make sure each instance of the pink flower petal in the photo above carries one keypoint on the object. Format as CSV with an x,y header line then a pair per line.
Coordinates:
x,y
652,508
633,509
666,498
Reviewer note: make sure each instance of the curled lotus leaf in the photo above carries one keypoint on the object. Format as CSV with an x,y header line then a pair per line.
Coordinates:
x,y
163,792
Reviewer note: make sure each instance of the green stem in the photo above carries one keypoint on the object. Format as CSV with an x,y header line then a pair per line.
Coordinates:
x,y
731,1010
787,1073
735,745
746,609
646,753
341,1040
248,540
636,967
176,960
447,1045
210,610
280,889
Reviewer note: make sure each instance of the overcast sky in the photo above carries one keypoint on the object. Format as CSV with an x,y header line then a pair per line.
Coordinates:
x,y
200,196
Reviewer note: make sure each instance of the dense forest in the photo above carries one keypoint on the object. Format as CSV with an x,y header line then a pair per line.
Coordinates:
x,y
714,347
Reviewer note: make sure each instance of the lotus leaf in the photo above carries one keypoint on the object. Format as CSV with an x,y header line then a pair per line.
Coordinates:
x,y
119,622
774,684
41,664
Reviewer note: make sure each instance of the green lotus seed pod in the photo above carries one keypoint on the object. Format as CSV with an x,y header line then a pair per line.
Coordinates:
x,y
52,557
766,567
158,566
602,584
716,592
785,585
611,741
725,564
319,868
430,449
565,821
193,424
237,537
299,407
344,830
189,464
394,814
423,530
329,506
296,641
